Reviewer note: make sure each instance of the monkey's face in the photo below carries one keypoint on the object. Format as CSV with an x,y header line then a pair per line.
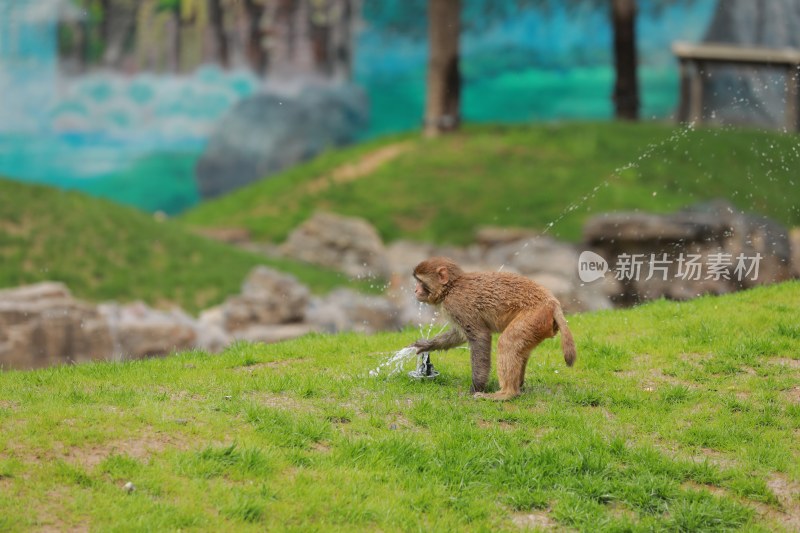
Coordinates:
x,y
422,291
433,277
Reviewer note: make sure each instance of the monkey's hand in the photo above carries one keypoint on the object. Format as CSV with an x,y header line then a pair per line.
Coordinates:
x,y
444,341
423,345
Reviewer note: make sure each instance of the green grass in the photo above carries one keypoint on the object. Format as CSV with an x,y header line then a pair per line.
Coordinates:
x,y
106,251
530,176
676,416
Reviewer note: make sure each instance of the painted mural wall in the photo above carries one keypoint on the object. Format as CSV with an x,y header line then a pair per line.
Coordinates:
x,y
124,98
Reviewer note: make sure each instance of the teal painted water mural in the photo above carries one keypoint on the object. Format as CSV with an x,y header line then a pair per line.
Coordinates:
x,y
135,139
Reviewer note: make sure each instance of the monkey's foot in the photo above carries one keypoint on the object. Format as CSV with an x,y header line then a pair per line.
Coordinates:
x,y
497,396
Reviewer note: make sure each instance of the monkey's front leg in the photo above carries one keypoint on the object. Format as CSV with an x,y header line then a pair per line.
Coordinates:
x,y
444,341
480,352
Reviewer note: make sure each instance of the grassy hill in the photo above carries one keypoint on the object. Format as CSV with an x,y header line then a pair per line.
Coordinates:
x,y
676,416
532,176
107,251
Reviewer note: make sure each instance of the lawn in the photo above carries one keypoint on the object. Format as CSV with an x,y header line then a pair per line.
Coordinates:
x,y
106,251
676,416
549,177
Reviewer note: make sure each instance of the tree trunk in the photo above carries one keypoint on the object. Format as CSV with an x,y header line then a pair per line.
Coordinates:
x,y
216,18
174,39
443,100
256,54
626,87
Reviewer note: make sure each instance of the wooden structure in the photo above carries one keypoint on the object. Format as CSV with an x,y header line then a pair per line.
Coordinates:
x,y
696,58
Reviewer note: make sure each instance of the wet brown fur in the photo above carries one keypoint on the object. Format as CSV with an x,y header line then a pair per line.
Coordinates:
x,y
481,303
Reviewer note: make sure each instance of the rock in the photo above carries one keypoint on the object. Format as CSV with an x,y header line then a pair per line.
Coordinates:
x,y
794,238
745,95
347,310
211,334
349,245
140,331
403,256
273,333
725,244
43,325
490,236
268,132
533,256
44,291
267,297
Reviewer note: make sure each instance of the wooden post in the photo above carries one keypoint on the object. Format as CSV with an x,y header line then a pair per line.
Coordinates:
x,y
696,93
792,90
683,102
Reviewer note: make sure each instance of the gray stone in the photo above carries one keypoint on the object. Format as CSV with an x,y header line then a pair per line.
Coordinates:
x,y
347,310
347,244
211,334
267,297
794,238
43,325
273,333
268,132
140,331
714,232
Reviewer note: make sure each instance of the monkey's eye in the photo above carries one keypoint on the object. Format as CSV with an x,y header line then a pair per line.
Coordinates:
x,y
423,285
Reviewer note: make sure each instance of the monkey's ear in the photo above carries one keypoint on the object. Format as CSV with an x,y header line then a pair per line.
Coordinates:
x,y
442,273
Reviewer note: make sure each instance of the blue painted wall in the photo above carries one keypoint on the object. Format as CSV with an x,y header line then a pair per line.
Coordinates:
x,y
135,138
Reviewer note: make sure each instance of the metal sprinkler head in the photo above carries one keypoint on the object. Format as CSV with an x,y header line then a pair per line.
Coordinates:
x,y
425,368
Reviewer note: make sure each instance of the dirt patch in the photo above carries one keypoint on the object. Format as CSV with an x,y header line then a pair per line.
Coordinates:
x,y
353,171
283,363
785,361
8,404
534,520
282,401
16,229
653,380
496,424
140,447
794,395
716,458
713,489
398,421
321,447
788,494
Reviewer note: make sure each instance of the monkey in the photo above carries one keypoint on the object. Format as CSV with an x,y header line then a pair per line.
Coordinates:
x,y
481,303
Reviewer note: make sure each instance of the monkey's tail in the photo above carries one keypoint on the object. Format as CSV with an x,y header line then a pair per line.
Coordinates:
x,y
567,342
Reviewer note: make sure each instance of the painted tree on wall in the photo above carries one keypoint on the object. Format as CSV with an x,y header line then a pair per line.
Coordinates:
x,y
443,93
442,102
276,38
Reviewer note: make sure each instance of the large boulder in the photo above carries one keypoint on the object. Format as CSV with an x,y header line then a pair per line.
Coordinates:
x,y
267,297
347,310
140,331
268,132
552,264
711,248
794,239
43,325
347,244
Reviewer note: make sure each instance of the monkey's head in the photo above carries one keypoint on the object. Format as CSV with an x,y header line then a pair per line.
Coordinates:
x,y
434,278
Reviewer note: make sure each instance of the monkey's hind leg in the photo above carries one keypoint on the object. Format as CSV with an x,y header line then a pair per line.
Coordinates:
x,y
514,347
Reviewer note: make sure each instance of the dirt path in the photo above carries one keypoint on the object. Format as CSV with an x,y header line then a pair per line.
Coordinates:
x,y
353,171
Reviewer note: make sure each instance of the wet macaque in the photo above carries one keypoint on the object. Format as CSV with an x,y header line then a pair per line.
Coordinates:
x,y
481,303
